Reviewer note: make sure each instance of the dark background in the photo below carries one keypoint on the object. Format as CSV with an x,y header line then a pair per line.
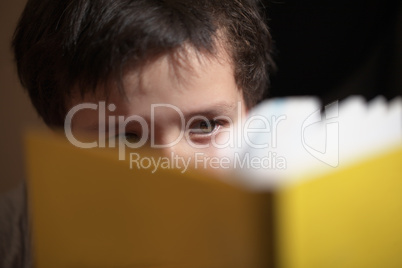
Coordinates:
x,y
336,48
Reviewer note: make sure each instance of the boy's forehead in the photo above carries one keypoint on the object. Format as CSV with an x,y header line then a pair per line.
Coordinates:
x,y
192,79
197,84
181,66
180,70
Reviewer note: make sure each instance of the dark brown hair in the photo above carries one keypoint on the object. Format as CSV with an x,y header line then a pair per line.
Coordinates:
x,y
61,44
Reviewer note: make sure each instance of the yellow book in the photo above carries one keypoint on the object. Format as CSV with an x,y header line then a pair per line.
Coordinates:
x,y
89,210
347,218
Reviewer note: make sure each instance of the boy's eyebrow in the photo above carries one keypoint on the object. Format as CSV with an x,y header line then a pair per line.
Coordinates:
x,y
216,109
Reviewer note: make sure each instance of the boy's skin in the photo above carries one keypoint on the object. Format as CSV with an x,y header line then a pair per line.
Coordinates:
x,y
202,85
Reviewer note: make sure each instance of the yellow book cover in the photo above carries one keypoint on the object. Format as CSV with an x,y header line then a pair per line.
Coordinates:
x,y
90,210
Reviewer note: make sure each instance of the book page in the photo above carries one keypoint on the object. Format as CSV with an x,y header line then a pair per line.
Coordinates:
x,y
287,139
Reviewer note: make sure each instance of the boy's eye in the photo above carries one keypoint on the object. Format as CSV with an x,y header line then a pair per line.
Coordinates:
x,y
204,127
129,137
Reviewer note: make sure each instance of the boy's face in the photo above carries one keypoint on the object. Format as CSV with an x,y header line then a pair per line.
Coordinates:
x,y
188,107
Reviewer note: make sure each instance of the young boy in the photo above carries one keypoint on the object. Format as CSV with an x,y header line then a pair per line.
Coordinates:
x,y
205,58
167,67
